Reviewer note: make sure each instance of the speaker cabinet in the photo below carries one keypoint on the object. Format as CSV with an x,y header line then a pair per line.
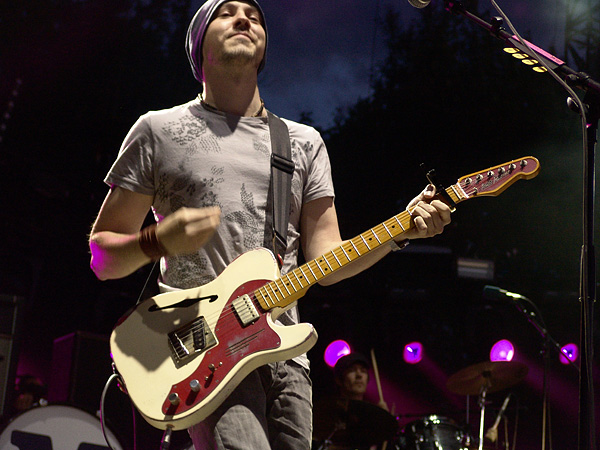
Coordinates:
x,y
81,366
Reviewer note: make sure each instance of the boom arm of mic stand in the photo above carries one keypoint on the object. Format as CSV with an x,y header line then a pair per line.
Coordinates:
x,y
578,79
538,324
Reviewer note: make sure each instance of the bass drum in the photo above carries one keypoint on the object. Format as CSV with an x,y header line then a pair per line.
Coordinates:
x,y
56,427
435,433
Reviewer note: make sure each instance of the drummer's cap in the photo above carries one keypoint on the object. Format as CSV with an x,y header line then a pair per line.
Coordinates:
x,y
348,360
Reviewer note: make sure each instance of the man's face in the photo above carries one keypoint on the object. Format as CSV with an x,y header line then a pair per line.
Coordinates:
x,y
354,381
235,36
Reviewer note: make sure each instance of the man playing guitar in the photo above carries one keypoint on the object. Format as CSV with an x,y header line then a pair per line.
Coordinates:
x,y
203,170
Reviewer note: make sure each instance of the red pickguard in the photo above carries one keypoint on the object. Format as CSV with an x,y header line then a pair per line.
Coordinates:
x,y
234,343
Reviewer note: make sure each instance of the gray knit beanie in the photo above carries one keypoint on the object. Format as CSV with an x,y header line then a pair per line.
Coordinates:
x,y
197,29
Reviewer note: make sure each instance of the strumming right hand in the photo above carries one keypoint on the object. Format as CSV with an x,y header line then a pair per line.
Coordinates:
x,y
188,229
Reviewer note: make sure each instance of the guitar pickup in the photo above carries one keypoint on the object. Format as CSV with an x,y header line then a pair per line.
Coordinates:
x,y
191,339
245,310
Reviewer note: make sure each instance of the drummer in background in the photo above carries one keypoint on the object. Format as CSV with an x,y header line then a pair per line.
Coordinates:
x,y
352,376
344,421
30,392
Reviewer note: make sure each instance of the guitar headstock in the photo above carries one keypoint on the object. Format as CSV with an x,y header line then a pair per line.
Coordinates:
x,y
494,180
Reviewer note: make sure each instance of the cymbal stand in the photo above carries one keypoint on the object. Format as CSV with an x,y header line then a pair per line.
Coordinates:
x,y
482,395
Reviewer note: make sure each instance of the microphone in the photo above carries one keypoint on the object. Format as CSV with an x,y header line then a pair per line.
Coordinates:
x,y
495,293
492,433
419,3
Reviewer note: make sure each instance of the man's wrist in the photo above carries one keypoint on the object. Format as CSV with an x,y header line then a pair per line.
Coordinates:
x,y
150,244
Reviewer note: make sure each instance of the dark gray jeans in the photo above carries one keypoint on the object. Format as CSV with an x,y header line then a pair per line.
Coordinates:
x,y
270,409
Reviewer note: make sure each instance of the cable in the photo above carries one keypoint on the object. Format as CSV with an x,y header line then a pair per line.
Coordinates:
x,y
139,299
104,391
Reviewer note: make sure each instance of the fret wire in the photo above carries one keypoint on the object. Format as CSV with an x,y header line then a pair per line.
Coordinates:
x,y
319,266
328,265
257,293
363,239
298,279
274,293
336,259
284,285
399,223
293,286
304,275
269,295
345,254
388,230
311,271
375,234
355,249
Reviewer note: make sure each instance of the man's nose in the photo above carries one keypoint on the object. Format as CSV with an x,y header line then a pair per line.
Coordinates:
x,y
242,22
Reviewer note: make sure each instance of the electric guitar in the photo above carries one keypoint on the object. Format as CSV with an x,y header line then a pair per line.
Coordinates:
x,y
180,354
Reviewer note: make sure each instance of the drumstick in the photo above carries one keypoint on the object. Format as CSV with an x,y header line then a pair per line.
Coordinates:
x,y
376,371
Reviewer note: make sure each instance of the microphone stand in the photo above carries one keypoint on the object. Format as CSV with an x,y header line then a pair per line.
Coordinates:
x,y
535,318
587,287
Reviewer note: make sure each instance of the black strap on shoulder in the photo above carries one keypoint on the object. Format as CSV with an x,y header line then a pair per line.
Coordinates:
x,y
280,188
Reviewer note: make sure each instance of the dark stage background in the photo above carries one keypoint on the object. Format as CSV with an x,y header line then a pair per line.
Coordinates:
x,y
75,75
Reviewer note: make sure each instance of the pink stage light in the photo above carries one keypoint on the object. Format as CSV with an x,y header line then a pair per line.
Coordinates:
x,y
335,351
413,352
502,350
570,351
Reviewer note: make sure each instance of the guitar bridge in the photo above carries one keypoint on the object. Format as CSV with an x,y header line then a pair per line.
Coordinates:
x,y
191,339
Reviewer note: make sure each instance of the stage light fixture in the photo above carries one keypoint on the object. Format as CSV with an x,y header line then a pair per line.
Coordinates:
x,y
413,352
570,351
503,350
335,351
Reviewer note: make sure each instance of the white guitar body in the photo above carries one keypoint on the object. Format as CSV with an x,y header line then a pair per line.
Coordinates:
x,y
150,369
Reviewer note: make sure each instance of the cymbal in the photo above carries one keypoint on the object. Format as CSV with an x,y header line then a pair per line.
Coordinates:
x,y
496,375
353,423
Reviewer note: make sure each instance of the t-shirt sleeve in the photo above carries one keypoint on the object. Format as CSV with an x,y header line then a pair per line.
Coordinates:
x,y
319,181
132,170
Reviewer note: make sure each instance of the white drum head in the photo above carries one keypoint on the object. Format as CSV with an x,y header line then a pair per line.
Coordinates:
x,y
56,427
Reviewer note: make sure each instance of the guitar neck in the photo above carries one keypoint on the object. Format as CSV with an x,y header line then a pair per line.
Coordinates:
x,y
291,286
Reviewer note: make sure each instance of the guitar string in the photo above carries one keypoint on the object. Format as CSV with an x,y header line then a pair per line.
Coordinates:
x,y
187,332
226,316
338,253
227,328
278,292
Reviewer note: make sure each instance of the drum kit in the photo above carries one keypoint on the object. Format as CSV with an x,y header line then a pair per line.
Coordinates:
x,y
65,427
56,427
338,424
352,424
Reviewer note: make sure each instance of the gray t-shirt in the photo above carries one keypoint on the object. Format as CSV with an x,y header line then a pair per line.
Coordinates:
x,y
190,156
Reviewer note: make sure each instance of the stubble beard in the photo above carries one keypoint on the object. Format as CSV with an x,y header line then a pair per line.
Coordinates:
x,y
238,57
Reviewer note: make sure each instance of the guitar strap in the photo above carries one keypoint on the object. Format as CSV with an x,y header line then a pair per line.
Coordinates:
x,y
280,188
